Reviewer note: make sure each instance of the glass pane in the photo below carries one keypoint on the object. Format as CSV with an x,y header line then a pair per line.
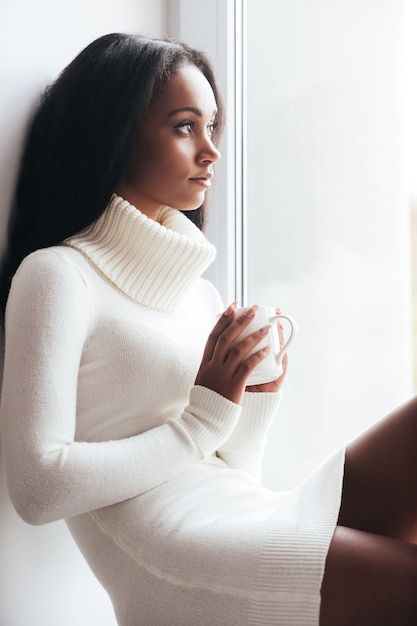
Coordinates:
x,y
328,216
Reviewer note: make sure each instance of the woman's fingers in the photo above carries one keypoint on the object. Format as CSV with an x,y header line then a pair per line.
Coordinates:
x,y
226,330
280,329
227,338
222,323
239,351
246,366
226,365
228,360
281,334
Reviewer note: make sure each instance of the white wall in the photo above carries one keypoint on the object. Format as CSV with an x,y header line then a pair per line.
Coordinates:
x,y
328,215
43,578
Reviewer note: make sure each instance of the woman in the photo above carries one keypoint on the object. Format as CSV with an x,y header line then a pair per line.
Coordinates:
x,y
119,415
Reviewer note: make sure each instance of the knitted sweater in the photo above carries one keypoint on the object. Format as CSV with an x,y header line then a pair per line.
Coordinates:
x,y
73,442
101,424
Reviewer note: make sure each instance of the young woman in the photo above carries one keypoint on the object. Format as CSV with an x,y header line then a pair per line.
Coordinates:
x,y
124,406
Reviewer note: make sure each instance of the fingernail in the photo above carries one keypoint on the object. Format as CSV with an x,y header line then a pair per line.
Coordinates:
x,y
266,349
264,329
230,309
250,312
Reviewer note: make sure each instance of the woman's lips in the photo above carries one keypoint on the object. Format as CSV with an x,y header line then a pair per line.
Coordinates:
x,y
203,182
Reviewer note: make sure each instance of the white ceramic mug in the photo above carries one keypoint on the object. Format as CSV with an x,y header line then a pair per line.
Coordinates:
x,y
271,367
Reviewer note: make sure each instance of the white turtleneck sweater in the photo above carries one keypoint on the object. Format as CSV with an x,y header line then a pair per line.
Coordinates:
x,y
75,438
101,424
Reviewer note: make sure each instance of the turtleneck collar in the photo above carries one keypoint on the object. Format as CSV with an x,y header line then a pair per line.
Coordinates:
x,y
152,262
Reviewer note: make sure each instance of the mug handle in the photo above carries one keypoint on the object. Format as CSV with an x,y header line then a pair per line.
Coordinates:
x,y
293,326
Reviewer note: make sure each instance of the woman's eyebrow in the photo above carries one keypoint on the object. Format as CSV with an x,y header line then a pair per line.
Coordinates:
x,y
194,110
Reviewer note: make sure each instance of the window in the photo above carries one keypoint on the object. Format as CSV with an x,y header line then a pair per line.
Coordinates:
x,y
318,211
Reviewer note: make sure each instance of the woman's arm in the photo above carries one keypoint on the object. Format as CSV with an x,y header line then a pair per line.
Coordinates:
x,y
49,474
245,447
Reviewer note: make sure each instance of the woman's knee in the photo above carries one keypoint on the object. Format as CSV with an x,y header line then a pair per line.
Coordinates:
x,y
369,580
379,486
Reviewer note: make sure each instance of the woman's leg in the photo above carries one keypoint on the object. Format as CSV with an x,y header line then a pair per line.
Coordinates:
x,y
371,569
369,580
380,480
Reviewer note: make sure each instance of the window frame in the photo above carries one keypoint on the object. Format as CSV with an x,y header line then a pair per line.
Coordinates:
x,y
218,28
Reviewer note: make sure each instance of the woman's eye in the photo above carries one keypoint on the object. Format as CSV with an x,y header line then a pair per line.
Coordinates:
x,y
185,128
211,128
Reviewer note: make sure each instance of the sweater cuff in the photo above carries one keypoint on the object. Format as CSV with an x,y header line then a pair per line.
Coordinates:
x,y
258,410
209,419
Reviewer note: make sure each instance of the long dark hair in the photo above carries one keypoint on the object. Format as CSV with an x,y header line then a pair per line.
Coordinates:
x,y
81,136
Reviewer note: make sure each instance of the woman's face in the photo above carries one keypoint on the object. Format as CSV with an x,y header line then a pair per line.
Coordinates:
x,y
171,163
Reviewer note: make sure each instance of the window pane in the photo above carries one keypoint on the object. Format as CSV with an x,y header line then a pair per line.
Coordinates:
x,y
328,216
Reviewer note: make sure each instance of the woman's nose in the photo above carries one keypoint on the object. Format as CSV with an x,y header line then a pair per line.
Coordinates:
x,y
209,153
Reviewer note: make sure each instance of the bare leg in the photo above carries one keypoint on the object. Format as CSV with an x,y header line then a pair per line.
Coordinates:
x,y
370,580
380,482
371,569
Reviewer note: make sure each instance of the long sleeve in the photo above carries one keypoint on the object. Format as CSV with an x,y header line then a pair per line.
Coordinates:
x,y
49,473
245,447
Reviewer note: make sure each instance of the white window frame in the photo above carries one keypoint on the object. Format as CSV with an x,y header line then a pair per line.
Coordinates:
x,y
217,27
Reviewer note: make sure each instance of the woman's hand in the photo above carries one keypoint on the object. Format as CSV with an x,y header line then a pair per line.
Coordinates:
x,y
224,367
275,385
